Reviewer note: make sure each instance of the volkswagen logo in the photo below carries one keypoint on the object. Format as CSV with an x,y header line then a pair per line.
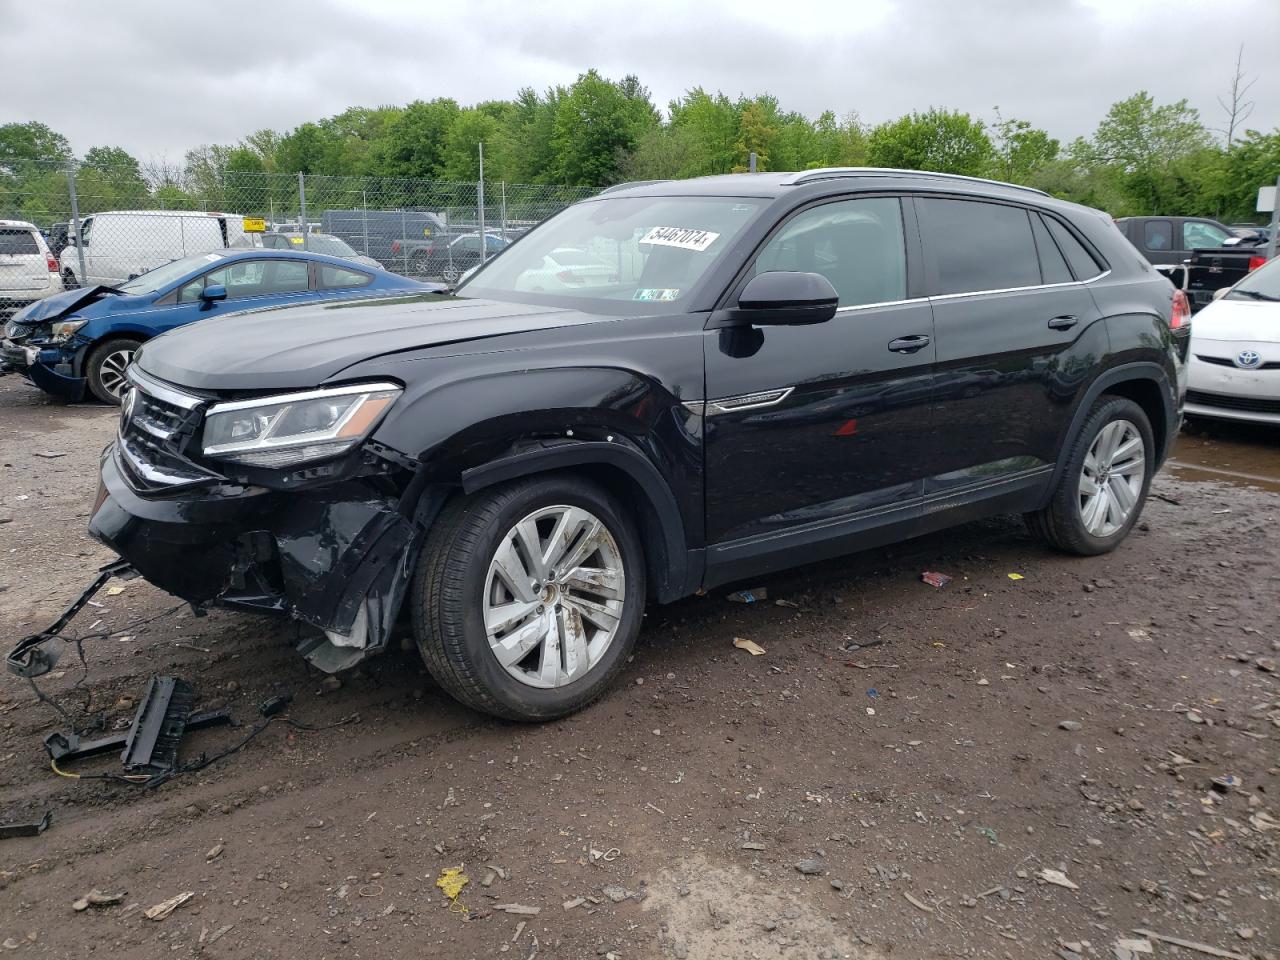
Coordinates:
x,y
1248,359
126,408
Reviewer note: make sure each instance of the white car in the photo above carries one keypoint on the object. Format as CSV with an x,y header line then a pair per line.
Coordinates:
x,y
568,268
1234,371
28,271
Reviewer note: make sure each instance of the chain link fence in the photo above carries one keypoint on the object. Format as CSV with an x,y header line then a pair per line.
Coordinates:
x,y
105,225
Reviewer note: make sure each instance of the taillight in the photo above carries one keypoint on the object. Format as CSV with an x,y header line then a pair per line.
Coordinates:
x,y
1256,261
568,276
395,246
1180,318
51,263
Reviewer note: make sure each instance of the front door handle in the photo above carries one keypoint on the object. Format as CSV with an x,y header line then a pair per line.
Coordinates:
x,y
909,344
1063,323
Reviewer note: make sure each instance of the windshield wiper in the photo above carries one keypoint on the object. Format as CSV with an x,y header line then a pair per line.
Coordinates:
x,y
1257,295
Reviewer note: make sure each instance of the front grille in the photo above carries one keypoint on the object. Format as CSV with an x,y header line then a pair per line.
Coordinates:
x,y
154,435
1226,402
1226,362
17,332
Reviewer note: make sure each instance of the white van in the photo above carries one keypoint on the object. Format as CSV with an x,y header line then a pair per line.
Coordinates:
x,y
119,244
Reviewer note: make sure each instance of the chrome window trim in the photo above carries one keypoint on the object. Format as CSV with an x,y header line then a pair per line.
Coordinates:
x,y
1035,286
881,303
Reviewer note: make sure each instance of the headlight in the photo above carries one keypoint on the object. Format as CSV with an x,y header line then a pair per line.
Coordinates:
x,y
293,428
63,329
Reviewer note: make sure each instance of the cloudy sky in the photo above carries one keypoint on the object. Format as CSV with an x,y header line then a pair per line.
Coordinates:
x,y
158,77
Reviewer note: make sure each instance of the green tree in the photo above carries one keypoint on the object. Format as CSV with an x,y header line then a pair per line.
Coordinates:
x,y
712,125
460,158
757,133
1142,143
109,177
596,124
412,144
941,140
26,145
1020,149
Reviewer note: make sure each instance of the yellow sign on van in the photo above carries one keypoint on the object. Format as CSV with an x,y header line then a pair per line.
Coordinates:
x,y
255,225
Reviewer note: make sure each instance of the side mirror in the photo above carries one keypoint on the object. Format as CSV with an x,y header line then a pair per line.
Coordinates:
x,y
784,298
215,291
1221,292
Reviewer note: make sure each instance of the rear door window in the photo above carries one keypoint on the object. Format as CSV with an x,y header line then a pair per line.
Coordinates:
x,y
335,278
1157,235
16,241
973,246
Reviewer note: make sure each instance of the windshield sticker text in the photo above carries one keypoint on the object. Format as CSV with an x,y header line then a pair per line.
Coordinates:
x,y
686,238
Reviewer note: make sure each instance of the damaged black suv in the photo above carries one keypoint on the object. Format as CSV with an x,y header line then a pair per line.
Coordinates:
x,y
668,387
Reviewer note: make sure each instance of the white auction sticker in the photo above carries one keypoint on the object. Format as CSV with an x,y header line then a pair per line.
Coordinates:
x,y
686,238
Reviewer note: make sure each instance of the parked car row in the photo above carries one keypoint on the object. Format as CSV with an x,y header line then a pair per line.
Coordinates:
x,y
1199,256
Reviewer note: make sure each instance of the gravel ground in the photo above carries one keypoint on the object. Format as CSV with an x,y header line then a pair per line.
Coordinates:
x,y
897,775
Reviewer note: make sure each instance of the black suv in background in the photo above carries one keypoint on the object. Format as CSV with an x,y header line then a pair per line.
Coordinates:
x,y
780,368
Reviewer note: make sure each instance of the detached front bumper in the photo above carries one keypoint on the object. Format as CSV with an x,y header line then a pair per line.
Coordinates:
x,y
49,368
339,556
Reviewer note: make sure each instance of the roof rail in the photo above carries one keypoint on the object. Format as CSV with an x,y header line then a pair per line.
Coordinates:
x,y
628,185
833,173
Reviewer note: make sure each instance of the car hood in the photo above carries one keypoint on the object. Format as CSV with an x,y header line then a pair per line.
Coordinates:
x,y
305,345
1249,320
64,304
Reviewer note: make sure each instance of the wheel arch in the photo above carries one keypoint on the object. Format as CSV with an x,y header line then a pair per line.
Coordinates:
x,y
1147,384
673,569
93,346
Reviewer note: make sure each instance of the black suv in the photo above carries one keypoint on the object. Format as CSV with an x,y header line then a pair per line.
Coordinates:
x,y
772,369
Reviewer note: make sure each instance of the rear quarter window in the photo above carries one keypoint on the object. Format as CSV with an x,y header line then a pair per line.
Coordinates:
x,y
1083,263
335,278
16,241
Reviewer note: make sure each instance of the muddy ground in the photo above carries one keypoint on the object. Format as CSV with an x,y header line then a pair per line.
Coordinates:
x,y
906,738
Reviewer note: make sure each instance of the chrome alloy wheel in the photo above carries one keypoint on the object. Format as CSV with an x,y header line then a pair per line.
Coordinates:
x,y
1111,478
553,596
112,373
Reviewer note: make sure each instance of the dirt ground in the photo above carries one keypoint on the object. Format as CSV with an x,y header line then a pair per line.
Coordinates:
x,y
906,739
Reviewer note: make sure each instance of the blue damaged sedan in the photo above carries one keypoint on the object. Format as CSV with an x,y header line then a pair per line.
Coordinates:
x,y
84,339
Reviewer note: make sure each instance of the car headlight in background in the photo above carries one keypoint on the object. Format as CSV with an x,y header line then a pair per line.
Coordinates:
x,y
64,329
293,428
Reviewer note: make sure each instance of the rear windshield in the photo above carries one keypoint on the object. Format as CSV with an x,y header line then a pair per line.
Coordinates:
x,y
16,240
660,248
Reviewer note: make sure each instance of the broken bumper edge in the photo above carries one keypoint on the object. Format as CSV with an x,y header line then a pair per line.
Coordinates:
x,y
339,557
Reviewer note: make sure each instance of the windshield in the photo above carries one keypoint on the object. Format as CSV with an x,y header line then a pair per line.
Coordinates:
x,y
332,246
658,248
1262,284
156,280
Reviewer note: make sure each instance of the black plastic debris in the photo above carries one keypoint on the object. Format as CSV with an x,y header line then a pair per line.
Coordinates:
x,y
32,828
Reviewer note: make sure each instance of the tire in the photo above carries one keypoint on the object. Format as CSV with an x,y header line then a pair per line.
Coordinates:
x,y
106,365
69,281
460,590
450,273
1084,516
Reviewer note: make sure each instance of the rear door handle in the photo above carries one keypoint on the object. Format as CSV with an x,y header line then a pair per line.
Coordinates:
x,y
909,344
1063,323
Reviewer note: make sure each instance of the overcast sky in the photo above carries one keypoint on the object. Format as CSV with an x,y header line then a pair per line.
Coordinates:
x,y
158,77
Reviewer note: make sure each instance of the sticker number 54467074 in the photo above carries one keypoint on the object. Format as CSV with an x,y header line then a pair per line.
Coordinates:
x,y
686,238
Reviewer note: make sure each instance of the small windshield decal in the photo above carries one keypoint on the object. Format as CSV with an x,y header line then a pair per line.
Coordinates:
x,y
686,238
213,257
656,293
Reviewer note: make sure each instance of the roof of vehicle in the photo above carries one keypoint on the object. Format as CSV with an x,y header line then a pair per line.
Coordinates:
x,y
772,185
17,223
160,213
242,253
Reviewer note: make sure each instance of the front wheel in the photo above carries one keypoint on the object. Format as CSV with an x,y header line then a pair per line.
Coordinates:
x,y
528,598
105,368
1104,483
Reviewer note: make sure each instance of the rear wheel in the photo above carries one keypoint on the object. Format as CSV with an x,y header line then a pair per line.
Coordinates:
x,y
528,598
69,281
105,368
1104,483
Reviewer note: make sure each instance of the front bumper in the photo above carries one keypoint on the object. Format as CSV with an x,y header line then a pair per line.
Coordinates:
x,y
338,556
49,368
1217,388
